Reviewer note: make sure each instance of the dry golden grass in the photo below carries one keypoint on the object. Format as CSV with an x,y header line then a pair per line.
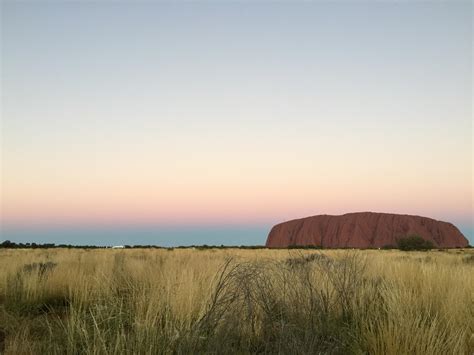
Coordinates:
x,y
185,301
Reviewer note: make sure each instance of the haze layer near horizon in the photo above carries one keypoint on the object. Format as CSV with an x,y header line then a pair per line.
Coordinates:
x,y
246,114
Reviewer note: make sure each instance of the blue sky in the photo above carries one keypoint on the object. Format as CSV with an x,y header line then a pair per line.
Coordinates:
x,y
232,115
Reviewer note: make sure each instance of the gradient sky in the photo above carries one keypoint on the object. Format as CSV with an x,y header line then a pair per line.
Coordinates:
x,y
231,116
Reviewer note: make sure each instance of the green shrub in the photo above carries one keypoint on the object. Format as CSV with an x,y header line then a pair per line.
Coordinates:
x,y
414,242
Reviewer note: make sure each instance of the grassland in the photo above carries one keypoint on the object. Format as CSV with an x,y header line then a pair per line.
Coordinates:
x,y
236,301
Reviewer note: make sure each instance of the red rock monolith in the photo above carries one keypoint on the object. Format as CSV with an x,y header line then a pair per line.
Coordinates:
x,y
363,230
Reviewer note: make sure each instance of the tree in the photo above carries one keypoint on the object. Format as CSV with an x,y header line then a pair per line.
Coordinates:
x,y
7,244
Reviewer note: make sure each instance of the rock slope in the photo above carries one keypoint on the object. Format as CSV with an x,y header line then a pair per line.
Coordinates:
x,y
363,230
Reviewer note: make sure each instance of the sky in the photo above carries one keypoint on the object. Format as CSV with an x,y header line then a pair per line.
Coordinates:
x,y
180,123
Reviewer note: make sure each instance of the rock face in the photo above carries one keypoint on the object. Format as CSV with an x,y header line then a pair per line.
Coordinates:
x,y
363,230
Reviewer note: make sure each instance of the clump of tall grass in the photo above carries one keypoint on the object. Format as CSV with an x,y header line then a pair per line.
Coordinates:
x,y
304,305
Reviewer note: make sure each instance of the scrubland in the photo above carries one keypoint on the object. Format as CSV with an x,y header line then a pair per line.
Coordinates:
x,y
187,301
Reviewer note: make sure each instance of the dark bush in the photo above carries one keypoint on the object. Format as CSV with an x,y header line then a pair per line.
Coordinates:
x,y
414,242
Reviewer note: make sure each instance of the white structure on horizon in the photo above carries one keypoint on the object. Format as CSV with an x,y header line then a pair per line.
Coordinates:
x,y
118,247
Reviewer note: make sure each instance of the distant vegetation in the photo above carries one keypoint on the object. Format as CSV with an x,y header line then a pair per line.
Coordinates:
x,y
407,244
81,301
304,247
12,245
7,244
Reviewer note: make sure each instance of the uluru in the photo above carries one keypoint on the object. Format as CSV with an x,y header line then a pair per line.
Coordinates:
x,y
363,230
